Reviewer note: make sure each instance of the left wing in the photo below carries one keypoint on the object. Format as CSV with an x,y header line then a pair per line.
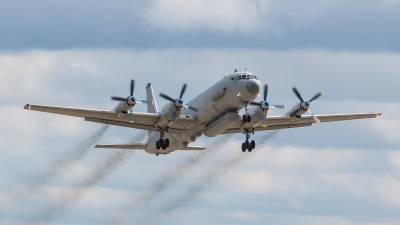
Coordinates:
x,y
143,121
143,146
282,122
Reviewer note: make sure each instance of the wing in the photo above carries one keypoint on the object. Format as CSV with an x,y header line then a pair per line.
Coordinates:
x,y
282,122
143,146
143,121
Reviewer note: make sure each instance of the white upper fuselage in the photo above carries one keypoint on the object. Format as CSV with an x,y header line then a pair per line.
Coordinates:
x,y
229,94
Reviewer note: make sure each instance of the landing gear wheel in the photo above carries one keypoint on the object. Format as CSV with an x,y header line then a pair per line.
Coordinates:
x,y
164,147
247,145
248,119
161,141
166,142
244,118
157,145
253,144
157,154
243,147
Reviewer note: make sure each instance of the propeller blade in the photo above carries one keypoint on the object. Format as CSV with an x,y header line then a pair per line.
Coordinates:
x,y
167,97
174,115
183,90
278,106
316,96
141,101
265,91
255,103
314,117
132,86
118,98
265,119
191,108
297,93
131,116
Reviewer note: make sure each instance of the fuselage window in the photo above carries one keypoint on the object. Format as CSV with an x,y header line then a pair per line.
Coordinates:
x,y
244,77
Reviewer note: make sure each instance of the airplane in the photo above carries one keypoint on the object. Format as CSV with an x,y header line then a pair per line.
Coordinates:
x,y
213,112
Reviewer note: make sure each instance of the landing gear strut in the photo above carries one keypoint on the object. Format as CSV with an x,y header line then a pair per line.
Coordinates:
x,y
164,144
246,117
248,145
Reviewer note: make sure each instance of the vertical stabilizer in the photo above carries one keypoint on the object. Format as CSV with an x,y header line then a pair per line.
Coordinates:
x,y
151,101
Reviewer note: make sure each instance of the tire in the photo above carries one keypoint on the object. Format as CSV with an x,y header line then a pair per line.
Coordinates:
x,y
247,145
166,142
243,147
161,141
253,144
250,150
164,147
244,118
248,119
157,145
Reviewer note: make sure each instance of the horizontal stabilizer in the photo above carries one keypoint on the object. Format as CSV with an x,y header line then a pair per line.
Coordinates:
x,y
139,146
193,148
126,146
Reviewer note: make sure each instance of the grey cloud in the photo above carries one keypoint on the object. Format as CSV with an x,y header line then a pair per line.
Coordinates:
x,y
333,25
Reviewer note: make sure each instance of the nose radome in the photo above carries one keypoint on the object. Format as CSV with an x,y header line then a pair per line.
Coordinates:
x,y
253,86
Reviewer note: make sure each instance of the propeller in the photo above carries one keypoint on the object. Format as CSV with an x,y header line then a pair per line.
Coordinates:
x,y
178,102
306,103
129,100
264,105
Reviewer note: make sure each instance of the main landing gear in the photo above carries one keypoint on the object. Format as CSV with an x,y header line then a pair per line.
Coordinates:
x,y
248,145
246,117
162,143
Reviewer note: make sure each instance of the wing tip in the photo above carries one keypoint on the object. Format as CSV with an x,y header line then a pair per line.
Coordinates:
x,y
378,115
27,106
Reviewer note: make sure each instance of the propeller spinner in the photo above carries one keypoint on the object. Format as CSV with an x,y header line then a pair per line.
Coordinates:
x,y
264,105
178,102
130,100
306,103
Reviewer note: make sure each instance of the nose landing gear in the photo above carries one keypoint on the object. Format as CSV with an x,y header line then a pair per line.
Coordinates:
x,y
248,145
162,143
246,117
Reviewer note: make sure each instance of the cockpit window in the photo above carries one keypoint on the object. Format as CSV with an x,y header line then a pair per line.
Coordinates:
x,y
245,77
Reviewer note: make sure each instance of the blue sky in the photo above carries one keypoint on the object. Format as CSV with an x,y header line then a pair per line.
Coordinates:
x,y
79,53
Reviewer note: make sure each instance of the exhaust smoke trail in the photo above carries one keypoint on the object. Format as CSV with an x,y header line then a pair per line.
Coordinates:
x,y
209,177
167,179
75,153
100,172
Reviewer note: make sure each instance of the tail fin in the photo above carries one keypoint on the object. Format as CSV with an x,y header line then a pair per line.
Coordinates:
x,y
151,105
151,101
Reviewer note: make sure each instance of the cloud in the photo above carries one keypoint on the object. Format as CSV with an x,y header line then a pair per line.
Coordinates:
x,y
224,15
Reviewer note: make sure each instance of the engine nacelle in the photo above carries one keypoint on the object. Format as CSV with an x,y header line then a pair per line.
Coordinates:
x,y
124,106
223,123
300,107
256,114
168,115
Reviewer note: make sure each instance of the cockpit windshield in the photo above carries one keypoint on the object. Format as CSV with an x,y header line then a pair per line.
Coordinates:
x,y
245,77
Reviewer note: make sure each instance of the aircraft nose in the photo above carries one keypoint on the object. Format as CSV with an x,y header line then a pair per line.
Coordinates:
x,y
253,86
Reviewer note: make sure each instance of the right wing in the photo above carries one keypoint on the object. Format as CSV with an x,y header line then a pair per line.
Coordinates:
x,y
284,122
143,121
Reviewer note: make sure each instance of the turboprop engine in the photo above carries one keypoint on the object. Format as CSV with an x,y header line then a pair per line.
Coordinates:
x,y
127,103
304,106
172,110
259,113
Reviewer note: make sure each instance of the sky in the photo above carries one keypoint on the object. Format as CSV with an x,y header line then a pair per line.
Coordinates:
x,y
79,53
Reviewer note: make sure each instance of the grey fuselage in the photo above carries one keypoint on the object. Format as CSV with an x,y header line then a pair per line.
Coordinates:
x,y
226,97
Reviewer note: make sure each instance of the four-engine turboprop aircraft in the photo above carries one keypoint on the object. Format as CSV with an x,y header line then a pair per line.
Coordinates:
x,y
213,112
